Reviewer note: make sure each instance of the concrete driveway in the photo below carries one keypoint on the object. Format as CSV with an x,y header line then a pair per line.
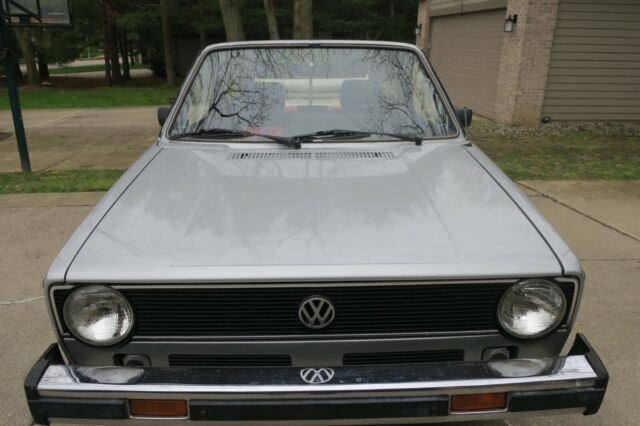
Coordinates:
x,y
70,138
598,219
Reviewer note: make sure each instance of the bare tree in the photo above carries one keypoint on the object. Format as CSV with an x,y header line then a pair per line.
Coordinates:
x,y
166,41
29,54
232,20
303,19
272,23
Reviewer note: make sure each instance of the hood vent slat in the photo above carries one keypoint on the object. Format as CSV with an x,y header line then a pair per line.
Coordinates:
x,y
320,155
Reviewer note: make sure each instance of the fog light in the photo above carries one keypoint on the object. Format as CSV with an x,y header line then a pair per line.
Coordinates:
x,y
496,354
479,402
158,407
136,361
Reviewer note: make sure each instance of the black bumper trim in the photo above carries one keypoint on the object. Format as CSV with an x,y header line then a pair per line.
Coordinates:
x,y
581,346
556,399
50,356
329,409
77,408
590,398
44,408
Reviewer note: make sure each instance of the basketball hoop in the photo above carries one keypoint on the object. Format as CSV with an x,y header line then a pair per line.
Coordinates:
x,y
26,13
37,13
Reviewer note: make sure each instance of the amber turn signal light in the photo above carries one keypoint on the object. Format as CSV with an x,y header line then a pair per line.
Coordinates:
x,y
479,402
158,407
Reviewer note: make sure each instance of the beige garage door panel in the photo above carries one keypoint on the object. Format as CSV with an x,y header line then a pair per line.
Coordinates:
x,y
594,72
465,51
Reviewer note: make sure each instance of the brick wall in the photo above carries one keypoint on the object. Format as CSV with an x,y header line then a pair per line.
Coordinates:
x,y
524,62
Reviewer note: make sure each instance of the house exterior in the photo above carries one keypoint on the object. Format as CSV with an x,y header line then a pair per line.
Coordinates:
x,y
564,59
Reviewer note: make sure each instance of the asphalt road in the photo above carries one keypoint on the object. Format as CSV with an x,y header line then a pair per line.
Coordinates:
x,y
599,220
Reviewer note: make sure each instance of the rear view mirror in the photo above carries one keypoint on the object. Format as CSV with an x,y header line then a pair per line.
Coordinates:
x,y
464,115
163,113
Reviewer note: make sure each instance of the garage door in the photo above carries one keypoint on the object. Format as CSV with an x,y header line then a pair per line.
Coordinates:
x,y
594,73
465,51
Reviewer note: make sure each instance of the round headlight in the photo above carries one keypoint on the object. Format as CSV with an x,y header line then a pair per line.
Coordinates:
x,y
98,315
531,308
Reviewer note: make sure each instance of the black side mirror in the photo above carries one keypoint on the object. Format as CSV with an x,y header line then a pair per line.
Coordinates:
x,y
464,115
163,113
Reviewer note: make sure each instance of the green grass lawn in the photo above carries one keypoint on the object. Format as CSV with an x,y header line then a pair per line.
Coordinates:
x,y
59,181
576,150
116,96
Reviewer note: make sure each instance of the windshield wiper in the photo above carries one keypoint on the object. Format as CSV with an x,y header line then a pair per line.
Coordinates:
x,y
331,134
342,134
231,133
295,141
211,132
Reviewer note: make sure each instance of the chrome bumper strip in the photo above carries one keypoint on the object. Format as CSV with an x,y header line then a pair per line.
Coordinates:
x,y
213,383
576,381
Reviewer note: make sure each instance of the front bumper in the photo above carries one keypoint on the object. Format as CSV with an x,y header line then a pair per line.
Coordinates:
x,y
382,394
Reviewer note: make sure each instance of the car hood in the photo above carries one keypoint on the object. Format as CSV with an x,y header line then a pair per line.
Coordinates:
x,y
210,213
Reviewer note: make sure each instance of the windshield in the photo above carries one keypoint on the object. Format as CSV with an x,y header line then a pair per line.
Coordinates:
x,y
294,91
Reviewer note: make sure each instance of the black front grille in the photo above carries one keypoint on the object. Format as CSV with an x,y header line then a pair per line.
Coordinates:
x,y
229,360
412,357
273,311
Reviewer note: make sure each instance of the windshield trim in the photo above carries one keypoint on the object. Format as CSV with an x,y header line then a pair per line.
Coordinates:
x,y
186,86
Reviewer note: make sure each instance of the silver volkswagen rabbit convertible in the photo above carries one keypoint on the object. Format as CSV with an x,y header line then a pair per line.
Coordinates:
x,y
313,240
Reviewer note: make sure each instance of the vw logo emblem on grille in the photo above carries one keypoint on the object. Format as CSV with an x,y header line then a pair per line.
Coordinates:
x,y
316,312
316,376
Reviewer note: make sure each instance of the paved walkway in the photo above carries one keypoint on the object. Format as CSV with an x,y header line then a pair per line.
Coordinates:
x,y
601,229
80,138
613,203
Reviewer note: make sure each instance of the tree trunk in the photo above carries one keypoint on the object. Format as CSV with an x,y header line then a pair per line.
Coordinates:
x,y
144,57
116,74
18,71
43,66
166,41
112,42
303,19
392,17
203,38
232,20
105,44
272,23
23,36
202,31
132,57
124,54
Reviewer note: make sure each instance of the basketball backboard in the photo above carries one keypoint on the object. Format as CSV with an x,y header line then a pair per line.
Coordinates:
x,y
37,13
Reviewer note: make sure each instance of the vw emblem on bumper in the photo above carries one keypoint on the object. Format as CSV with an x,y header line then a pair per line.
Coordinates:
x,y
316,376
316,312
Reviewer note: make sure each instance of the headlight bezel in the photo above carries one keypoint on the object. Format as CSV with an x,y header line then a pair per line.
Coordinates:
x,y
566,308
107,289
